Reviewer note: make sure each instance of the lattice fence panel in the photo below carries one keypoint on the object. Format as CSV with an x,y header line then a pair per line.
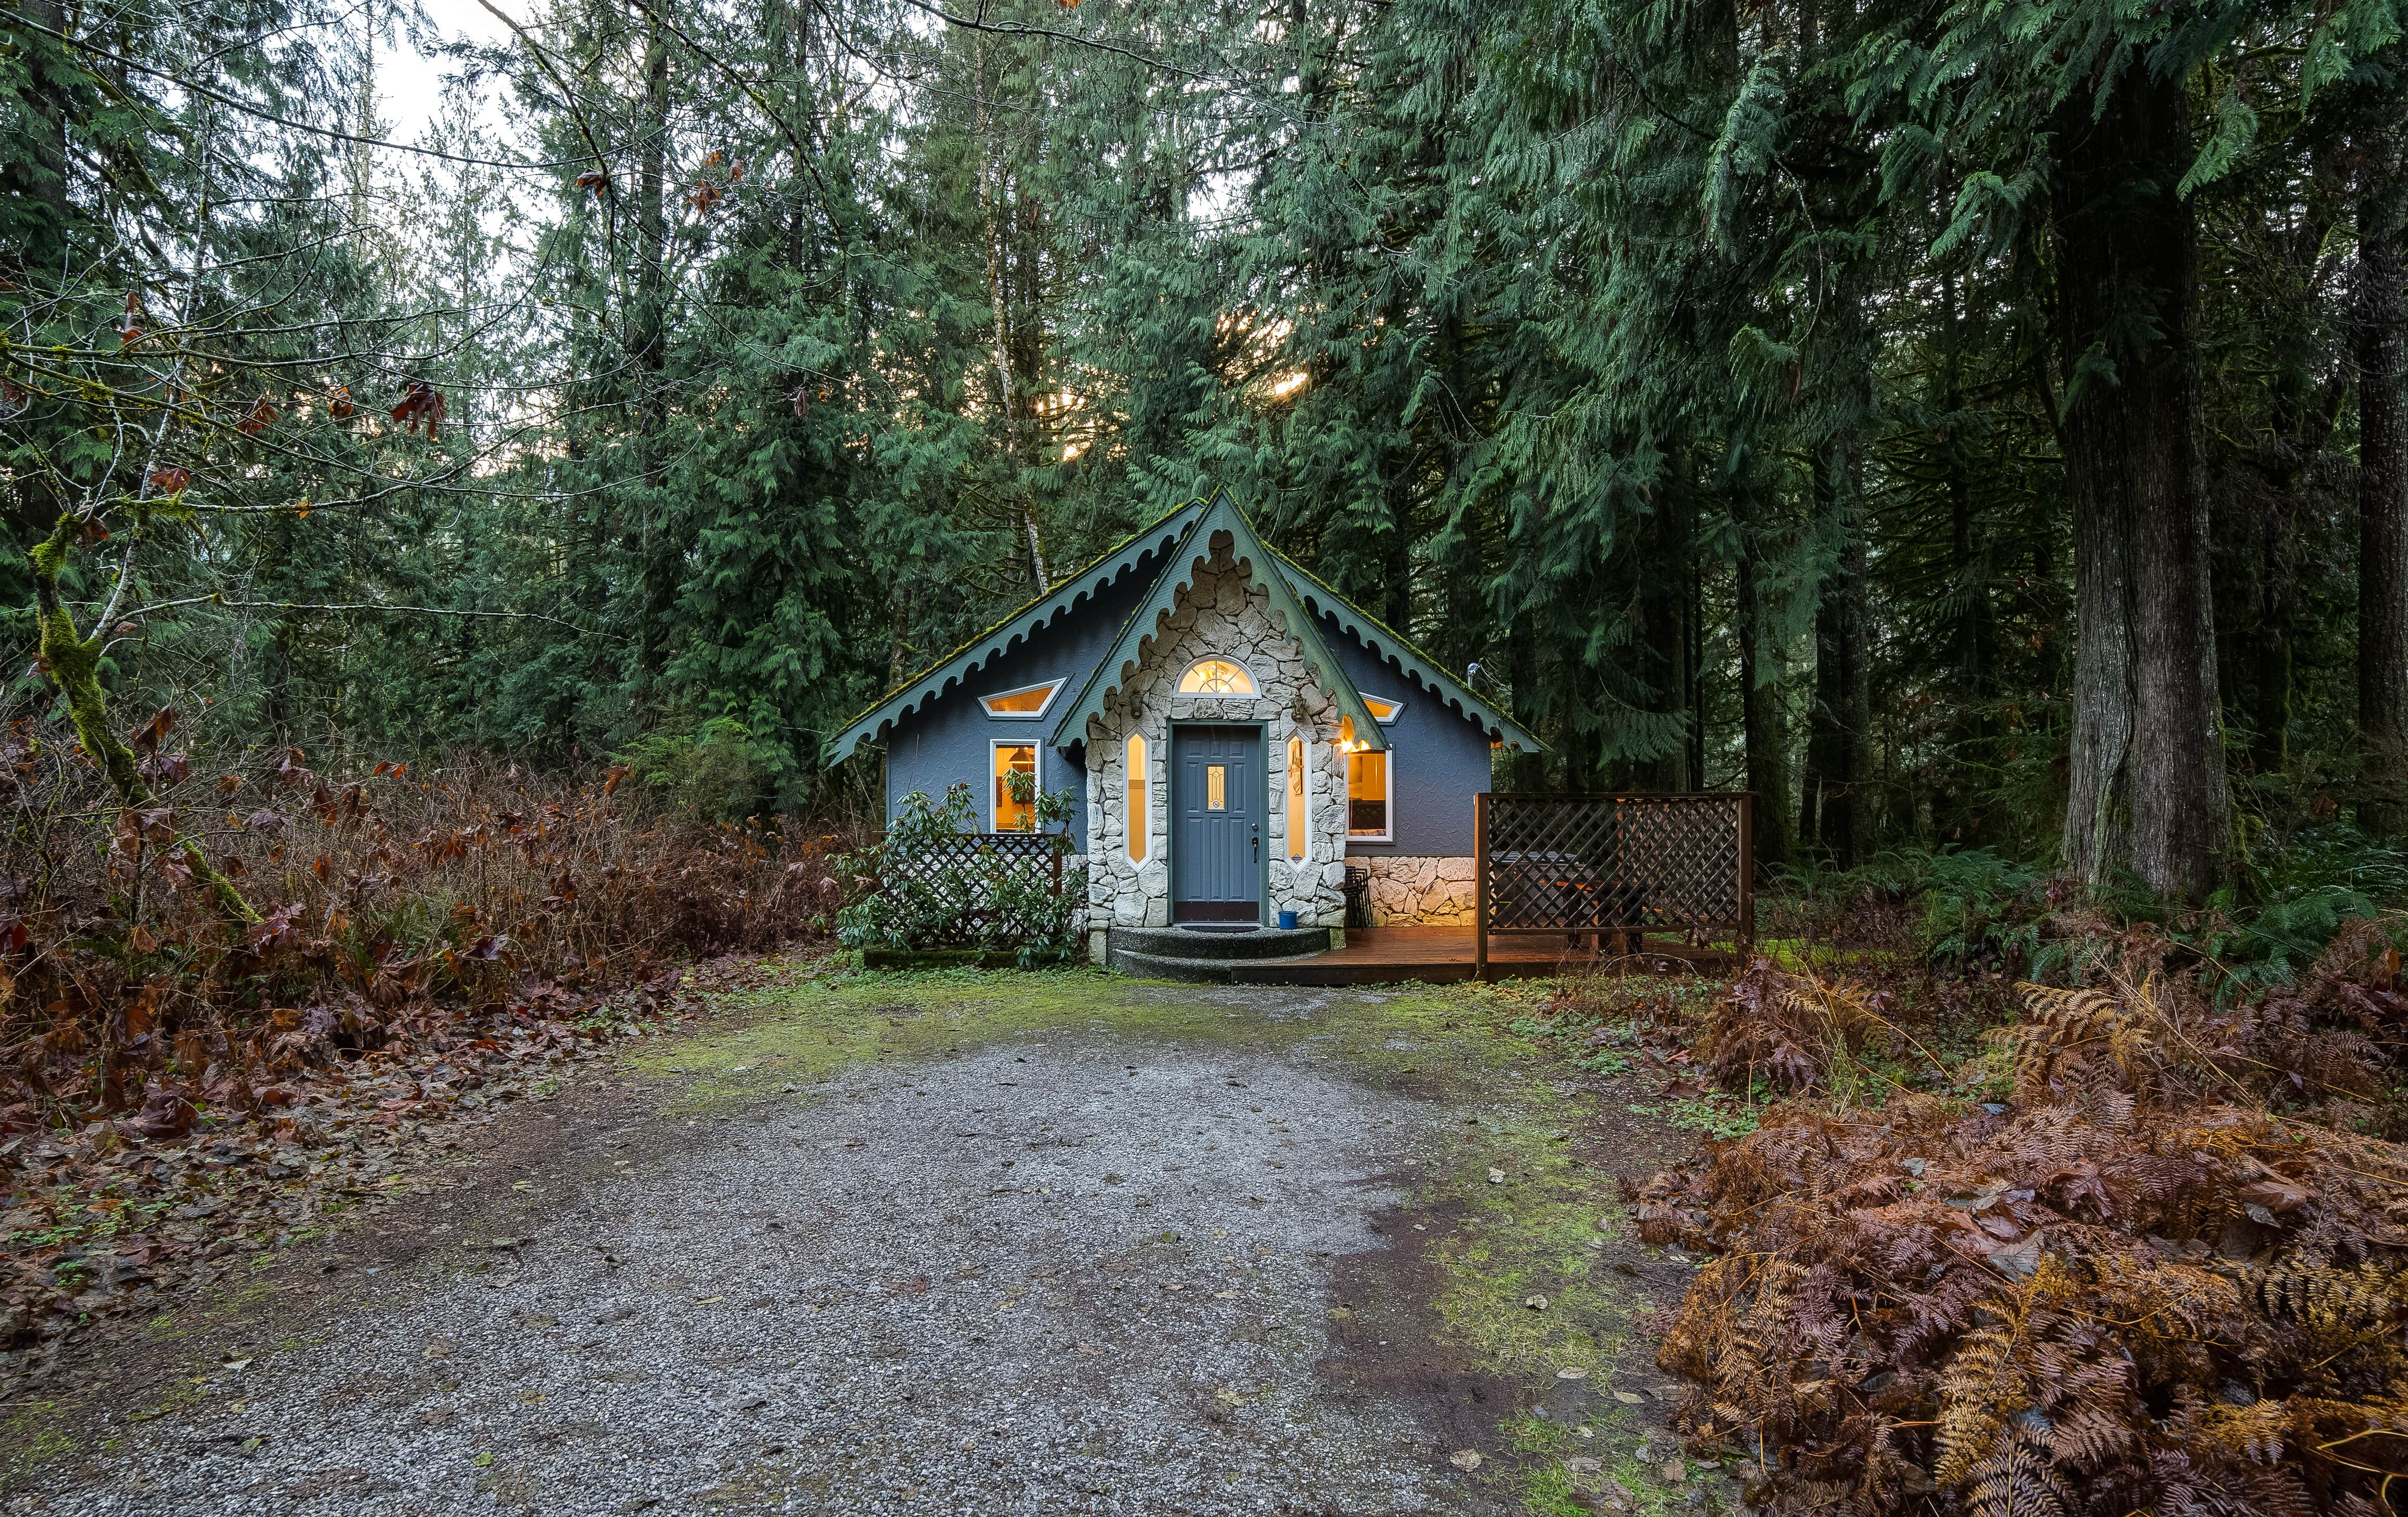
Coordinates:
x,y
965,882
1590,863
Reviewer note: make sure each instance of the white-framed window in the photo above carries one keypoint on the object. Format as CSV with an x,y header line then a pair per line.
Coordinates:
x,y
1383,711
1216,676
1025,704
1299,830
1017,772
1371,797
1134,789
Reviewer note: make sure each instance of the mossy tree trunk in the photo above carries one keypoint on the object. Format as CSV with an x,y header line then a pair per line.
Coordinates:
x,y
74,662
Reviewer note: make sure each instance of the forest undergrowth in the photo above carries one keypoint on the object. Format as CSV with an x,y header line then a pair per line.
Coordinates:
x,y
2134,1239
181,1080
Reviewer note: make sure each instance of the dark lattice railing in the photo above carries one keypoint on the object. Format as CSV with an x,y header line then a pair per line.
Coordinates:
x,y
1617,865
965,890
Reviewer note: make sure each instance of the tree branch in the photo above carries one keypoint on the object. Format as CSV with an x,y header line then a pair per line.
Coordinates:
x,y
16,18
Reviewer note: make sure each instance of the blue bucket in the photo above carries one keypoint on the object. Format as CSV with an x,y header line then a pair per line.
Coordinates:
x,y
1288,921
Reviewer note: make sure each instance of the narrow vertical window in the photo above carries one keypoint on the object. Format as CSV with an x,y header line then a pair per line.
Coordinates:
x,y
1296,820
1366,797
1015,787
1133,779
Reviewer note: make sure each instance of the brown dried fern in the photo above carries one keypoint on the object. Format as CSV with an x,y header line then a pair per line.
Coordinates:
x,y
2017,1478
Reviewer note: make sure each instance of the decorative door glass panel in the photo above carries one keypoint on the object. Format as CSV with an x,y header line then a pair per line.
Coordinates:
x,y
1296,817
1216,788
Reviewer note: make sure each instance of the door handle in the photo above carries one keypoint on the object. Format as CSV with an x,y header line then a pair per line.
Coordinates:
x,y
1258,842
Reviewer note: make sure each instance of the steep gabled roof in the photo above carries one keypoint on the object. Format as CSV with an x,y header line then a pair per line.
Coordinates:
x,y
1384,643
1218,515
998,639
1180,538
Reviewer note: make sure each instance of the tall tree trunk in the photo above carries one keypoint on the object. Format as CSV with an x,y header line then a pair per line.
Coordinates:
x,y
1760,717
1970,567
1665,663
990,190
1693,594
1838,750
1831,801
1664,646
359,164
2147,785
37,178
39,175
647,339
2379,343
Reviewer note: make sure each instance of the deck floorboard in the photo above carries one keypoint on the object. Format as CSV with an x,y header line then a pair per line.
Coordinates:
x,y
1443,956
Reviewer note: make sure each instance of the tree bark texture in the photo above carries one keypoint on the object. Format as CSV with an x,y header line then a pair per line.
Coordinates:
x,y
1664,660
2146,789
1759,678
990,161
1832,812
2379,344
646,338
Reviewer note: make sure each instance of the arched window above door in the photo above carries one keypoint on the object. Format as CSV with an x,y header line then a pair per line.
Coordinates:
x,y
1216,676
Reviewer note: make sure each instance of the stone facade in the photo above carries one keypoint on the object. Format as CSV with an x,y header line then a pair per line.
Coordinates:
x,y
1426,892
1219,612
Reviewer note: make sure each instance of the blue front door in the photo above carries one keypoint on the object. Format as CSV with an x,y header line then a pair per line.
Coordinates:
x,y
1216,826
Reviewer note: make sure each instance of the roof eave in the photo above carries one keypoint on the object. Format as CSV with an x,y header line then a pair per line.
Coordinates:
x,y
1029,617
1385,642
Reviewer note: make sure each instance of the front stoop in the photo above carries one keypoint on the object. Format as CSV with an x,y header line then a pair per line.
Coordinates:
x,y
1206,957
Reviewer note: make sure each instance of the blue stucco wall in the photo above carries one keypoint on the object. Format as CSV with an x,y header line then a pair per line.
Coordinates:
x,y
947,743
1440,758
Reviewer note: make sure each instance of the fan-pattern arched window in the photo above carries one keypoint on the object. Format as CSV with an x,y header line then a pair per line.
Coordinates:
x,y
1216,676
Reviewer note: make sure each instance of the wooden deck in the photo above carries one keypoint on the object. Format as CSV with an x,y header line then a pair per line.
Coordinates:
x,y
1443,956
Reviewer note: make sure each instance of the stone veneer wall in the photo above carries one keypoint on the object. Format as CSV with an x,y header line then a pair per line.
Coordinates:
x,y
1423,892
1221,613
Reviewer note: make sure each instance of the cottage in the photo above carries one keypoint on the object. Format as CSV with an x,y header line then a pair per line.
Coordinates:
x,y
1241,734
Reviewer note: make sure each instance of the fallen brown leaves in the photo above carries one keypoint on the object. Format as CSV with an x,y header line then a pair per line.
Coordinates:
x,y
112,1217
171,1082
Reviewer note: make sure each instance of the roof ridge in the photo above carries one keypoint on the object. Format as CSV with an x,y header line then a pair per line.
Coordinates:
x,y
1318,655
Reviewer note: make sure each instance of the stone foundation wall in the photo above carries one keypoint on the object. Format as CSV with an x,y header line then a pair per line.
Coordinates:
x,y
1418,893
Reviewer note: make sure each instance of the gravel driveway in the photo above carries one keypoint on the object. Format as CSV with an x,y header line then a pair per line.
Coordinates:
x,y
1071,1270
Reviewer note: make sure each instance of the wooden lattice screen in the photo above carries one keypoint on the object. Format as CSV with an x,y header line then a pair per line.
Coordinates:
x,y
1612,864
957,880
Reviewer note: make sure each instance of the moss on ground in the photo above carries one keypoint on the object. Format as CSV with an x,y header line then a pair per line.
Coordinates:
x,y
808,1026
32,1434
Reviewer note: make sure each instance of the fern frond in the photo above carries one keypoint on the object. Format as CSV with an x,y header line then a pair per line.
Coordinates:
x,y
1975,1397
2017,1479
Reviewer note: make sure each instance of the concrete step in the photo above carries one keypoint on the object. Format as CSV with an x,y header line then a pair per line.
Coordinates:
x,y
1199,971
1187,944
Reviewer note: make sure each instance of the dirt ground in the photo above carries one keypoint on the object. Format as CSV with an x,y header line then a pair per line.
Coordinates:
x,y
948,1242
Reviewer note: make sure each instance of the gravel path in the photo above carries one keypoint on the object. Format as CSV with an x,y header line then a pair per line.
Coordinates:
x,y
1080,1273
